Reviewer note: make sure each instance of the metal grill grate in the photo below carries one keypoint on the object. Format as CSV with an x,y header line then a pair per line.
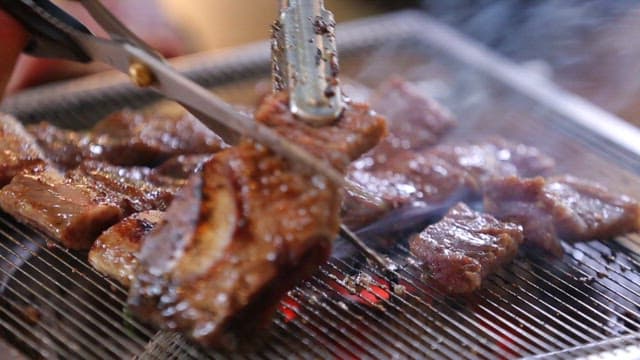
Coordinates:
x,y
54,304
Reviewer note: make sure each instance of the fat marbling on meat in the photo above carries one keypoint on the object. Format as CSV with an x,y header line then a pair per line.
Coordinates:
x,y
246,229
462,249
563,207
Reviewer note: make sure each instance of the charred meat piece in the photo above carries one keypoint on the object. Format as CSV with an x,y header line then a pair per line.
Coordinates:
x,y
496,158
410,178
129,187
462,249
114,252
436,176
563,207
415,120
18,150
72,213
246,229
128,138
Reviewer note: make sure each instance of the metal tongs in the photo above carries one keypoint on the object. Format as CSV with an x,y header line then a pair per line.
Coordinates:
x,y
305,62
56,34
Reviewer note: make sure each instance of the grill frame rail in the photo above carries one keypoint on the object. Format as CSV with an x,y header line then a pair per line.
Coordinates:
x,y
55,305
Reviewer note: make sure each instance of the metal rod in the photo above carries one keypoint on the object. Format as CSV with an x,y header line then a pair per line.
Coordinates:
x,y
384,263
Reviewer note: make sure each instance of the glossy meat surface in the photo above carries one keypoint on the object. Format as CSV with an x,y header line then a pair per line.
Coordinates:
x,y
18,150
563,207
415,119
245,230
129,187
462,249
435,176
114,252
410,178
72,213
127,138
495,158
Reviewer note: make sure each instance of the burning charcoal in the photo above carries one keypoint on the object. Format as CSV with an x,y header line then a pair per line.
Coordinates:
x,y
18,150
114,252
246,229
71,213
464,248
127,138
561,208
415,120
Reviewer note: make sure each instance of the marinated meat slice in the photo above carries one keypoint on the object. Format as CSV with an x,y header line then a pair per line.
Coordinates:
x,y
462,249
563,207
71,213
128,138
245,229
410,178
18,150
357,130
175,171
415,119
65,148
496,158
114,252
436,176
128,187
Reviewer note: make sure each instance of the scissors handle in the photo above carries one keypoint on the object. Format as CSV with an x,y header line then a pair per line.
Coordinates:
x,y
45,22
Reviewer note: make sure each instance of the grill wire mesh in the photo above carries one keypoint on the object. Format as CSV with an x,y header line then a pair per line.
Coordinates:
x,y
54,305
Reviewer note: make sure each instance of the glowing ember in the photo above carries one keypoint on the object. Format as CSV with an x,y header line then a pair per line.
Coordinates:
x,y
288,307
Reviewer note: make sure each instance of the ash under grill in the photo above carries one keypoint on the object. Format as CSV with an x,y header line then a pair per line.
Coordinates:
x,y
54,304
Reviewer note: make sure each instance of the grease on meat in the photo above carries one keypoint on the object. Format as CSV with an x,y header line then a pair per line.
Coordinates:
x,y
563,207
246,229
462,249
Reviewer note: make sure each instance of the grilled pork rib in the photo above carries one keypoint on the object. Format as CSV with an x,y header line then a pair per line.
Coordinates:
x,y
464,248
75,208
127,138
562,207
246,229
72,213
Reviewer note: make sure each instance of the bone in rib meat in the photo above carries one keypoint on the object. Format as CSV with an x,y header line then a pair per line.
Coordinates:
x,y
246,229
462,249
561,207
